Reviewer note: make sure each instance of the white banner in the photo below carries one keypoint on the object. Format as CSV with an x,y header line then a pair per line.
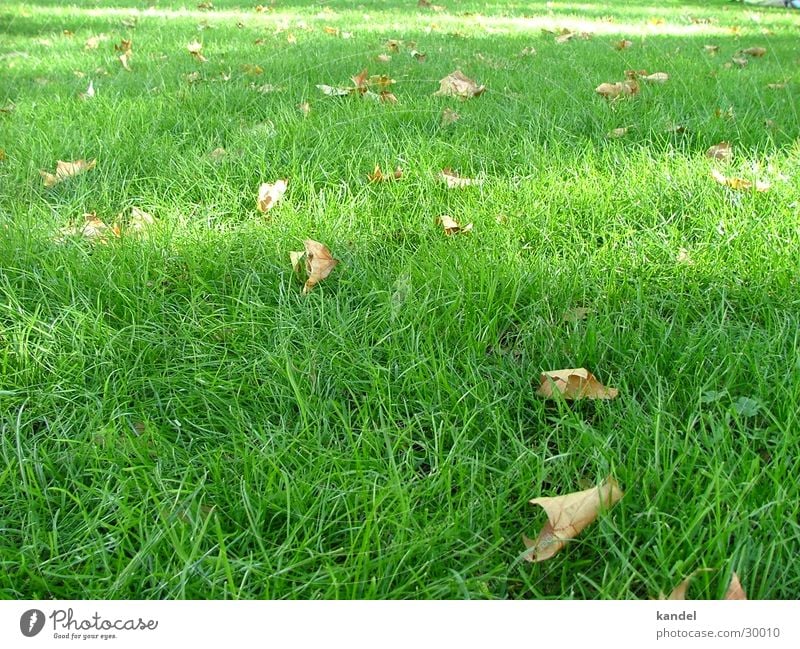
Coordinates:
x,y
412,625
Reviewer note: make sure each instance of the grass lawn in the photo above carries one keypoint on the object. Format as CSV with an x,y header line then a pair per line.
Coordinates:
x,y
178,420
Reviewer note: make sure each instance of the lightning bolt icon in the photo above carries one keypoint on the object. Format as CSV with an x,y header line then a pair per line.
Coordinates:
x,y
34,617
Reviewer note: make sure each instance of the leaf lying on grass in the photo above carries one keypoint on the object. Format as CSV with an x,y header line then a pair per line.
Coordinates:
x,y
623,44
140,220
66,170
453,180
91,228
755,52
269,194
125,47
619,89
618,132
319,263
90,92
568,516
734,592
656,77
721,151
739,183
196,50
457,84
449,116
372,87
573,384
378,176
451,226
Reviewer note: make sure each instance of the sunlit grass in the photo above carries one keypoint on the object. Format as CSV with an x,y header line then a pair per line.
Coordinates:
x,y
177,420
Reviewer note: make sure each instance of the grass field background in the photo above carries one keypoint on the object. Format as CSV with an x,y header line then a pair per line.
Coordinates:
x,y
178,421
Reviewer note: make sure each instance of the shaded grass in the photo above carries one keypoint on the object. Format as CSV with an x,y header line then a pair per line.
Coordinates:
x,y
178,421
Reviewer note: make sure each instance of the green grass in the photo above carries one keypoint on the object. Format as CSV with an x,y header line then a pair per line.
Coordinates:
x,y
177,420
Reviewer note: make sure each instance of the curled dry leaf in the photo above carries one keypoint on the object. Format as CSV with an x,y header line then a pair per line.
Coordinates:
x,y
739,183
125,47
656,77
319,263
618,89
573,384
66,170
451,226
268,195
755,52
568,516
196,50
457,84
623,44
453,180
378,176
721,151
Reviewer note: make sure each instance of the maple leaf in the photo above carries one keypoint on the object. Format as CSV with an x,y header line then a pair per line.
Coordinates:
x,y
457,84
573,384
66,170
568,516
270,194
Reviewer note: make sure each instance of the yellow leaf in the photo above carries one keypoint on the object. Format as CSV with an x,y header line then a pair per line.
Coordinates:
x,y
573,384
254,70
739,183
618,89
66,170
268,195
319,263
679,592
568,516
378,176
456,84
451,226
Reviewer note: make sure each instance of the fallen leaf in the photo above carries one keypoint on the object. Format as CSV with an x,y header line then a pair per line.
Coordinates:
x,y
217,154
721,151
711,49
456,84
125,59
683,257
205,5
383,58
453,180
249,68
90,92
10,107
735,590
419,56
656,77
3,155
304,108
618,89
291,38
66,170
568,516
776,86
449,116
528,51
738,61
573,384
268,195
451,226
319,263
140,220
623,44
679,592
92,228
196,50
193,77
333,31
334,91
378,176
754,51
393,45
739,183
126,49
93,42
618,132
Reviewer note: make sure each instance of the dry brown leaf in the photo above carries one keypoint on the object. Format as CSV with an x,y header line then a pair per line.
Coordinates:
x,y
66,170
568,516
755,52
3,155
453,180
457,84
268,195
10,107
383,58
679,592
92,228
739,183
451,226
140,220
711,49
618,89
738,61
378,176
656,77
217,154
205,5
623,44
125,59
735,590
124,46
195,48
721,151
304,108
449,116
393,45
93,42
573,384
319,263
